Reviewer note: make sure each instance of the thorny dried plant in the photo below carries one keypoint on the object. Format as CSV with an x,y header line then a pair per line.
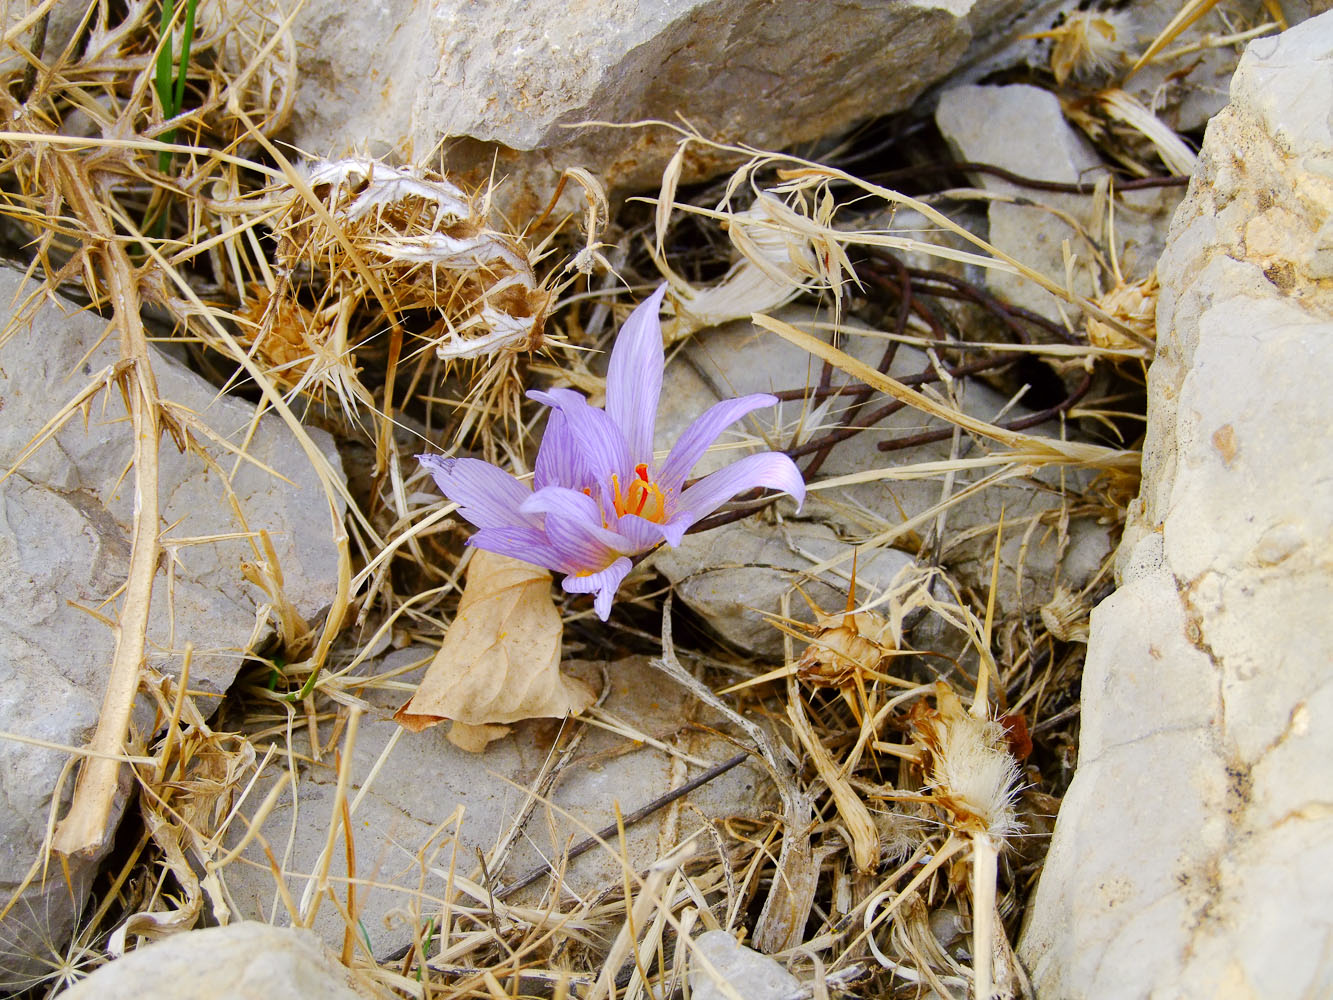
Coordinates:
x,y
392,297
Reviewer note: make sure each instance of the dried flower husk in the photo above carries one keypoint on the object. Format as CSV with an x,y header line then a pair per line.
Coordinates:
x,y
1090,44
845,647
1065,615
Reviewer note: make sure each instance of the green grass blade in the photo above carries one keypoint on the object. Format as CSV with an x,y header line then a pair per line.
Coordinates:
x,y
162,80
187,39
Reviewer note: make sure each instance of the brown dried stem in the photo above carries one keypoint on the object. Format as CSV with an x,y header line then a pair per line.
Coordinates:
x,y
84,828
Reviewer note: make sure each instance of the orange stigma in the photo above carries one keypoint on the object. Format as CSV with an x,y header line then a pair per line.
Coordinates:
x,y
644,497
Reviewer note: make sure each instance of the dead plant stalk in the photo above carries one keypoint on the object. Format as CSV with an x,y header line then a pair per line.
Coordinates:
x,y
85,827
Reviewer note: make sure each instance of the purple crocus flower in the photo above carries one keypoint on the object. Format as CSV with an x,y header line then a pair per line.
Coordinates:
x,y
598,496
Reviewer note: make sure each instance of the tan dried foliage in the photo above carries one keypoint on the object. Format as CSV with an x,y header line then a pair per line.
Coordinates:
x,y
430,247
500,660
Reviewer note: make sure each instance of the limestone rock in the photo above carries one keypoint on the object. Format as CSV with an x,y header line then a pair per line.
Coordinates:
x,y
1191,855
65,522
724,573
244,961
1023,129
432,807
489,79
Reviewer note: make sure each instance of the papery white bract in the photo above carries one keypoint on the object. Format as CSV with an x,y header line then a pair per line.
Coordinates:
x,y
598,497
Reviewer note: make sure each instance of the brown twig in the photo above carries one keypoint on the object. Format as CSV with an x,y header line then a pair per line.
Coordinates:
x,y
643,812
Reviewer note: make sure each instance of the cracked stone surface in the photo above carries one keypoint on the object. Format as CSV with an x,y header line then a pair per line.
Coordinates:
x,y
431,807
507,81
65,526
1192,853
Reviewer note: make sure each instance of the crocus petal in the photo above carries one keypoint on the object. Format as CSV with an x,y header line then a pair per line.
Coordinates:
x,y
560,461
700,435
641,533
486,496
593,434
528,544
769,468
604,584
634,378
574,528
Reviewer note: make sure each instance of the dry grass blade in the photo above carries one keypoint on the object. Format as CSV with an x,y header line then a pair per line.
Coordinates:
x,y
1125,107
1191,11
1023,447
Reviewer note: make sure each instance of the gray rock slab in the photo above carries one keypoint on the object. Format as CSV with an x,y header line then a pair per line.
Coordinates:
x,y
65,526
243,961
736,576
503,81
739,358
432,807
1191,855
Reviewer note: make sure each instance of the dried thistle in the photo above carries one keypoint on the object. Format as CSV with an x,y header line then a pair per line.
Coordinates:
x,y
431,248
973,778
846,650
1065,615
375,245
970,772
1134,304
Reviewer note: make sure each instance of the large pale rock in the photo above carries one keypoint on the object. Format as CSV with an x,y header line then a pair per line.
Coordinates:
x,y
65,524
427,808
734,575
1023,129
508,80
245,961
1192,853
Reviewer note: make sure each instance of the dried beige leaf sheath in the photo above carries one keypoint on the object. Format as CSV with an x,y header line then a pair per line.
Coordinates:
x,y
500,660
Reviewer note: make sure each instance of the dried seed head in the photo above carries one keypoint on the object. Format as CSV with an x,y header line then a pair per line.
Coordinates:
x,y
970,773
1065,615
1133,304
844,647
1088,45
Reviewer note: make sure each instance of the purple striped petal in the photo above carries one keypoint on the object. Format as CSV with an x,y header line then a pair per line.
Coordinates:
x,y
674,529
594,435
769,468
604,584
528,544
700,435
559,460
634,378
641,533
486,496
574,528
